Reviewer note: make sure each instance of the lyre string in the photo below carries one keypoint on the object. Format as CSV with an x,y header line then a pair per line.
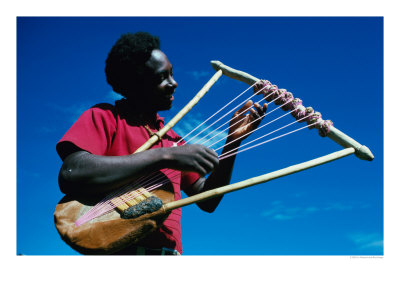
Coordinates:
x,y
252,141
237,116
241,103
264,126
110,205
217,112
107,206
226,153
260,117
150,183
262,143
167,180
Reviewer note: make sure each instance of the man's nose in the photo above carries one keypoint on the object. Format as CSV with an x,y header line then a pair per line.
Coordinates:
x,y
172,82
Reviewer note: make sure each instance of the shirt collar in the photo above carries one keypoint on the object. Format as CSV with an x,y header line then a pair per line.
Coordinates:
x,y
160,120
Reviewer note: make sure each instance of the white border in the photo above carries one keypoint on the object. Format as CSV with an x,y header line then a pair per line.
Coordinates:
x,y
201,277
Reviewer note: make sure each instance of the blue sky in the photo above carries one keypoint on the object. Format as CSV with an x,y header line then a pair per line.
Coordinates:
x,y
333,64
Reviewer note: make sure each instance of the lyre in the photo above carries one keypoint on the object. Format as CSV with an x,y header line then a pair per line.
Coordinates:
x,y
117,232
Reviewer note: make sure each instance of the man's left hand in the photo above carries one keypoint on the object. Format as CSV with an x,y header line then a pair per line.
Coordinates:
x,y
242,124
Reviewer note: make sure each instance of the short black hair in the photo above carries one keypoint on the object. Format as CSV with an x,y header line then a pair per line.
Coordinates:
x,y
125,64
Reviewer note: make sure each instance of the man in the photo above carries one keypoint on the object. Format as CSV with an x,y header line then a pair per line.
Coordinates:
x,y
97,149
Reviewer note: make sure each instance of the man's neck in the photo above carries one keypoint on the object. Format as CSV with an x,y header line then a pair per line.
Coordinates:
x,y
141,112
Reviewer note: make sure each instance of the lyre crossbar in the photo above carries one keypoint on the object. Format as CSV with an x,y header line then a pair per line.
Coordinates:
x,y
335,134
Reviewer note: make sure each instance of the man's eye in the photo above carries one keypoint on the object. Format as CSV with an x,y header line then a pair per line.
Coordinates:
x,y
164,75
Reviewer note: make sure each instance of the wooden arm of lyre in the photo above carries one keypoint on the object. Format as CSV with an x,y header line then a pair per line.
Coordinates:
x,y
259,179
181,113
335,134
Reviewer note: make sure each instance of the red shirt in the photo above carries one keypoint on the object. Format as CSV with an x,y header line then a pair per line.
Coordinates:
x,y
109,130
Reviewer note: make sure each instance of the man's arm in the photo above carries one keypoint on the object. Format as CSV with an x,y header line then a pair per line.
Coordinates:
x,y
222,173
86,173
219,177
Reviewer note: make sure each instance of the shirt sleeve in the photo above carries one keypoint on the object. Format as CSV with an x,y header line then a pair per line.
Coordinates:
x,y
92,132
188,179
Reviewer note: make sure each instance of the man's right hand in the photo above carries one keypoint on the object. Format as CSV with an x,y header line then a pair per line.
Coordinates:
x,y
192,158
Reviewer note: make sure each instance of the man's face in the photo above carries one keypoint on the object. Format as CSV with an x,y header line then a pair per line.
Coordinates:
x,y
161,85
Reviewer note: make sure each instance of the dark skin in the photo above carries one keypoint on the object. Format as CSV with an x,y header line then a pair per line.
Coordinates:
x,y
93,174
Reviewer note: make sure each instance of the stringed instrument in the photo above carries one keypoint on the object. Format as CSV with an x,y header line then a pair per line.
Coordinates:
x,y
112,231
134,211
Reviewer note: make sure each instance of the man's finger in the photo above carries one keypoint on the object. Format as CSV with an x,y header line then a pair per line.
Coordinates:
x,y
245,107
211,151
260,109
199,169
213,157
265,107
255,115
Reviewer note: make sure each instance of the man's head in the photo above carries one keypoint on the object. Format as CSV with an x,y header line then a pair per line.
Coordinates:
x,y
137,69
